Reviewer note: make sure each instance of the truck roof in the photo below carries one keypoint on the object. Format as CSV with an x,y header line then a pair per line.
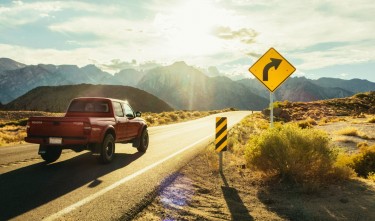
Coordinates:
x,y
100,98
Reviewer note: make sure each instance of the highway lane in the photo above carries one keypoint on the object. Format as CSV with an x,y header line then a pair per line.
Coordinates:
x,y
76,187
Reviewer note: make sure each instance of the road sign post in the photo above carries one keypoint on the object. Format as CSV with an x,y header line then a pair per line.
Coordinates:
x,y
221,142
272,69
271,109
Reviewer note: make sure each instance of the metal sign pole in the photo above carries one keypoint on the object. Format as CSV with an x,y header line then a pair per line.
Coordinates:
x,y
271,109
221,162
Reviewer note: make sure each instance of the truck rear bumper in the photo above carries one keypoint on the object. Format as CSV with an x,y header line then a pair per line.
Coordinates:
x,y
65,141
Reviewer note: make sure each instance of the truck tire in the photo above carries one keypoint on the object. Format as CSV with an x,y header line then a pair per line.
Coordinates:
x,y
143,143
50,153
107,149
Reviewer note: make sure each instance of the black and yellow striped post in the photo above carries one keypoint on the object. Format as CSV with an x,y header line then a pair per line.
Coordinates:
x,y
221,141
221,134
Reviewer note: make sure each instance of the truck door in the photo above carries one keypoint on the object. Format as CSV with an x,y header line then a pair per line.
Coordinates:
x,y
121,121
132,125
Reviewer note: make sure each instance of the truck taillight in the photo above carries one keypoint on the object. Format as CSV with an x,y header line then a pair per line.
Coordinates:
x,y
86,128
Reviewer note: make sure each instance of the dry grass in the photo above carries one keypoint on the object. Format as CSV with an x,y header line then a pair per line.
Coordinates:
x,y
12,135
352,131
156,119
343,140
348,131
308,123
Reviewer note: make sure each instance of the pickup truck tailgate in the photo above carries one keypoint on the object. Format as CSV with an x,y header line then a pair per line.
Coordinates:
x,y
70,127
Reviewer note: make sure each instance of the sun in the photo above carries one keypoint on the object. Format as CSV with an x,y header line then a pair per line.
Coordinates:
x,y
187,28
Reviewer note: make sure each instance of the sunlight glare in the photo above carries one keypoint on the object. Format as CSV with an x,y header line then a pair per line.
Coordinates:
x,y
187,28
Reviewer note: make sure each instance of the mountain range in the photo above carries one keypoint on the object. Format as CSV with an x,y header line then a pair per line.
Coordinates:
x,y
180,85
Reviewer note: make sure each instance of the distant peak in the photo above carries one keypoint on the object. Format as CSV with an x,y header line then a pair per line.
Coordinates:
x,y
179,63
91,67
9,64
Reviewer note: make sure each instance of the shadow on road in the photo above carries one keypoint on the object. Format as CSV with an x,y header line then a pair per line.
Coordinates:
x,y
234,202
29,187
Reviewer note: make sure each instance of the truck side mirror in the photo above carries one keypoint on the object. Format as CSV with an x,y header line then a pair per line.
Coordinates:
x,y
138,114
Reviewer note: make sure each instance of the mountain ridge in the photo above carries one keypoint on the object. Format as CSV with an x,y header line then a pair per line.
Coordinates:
x,y
212,92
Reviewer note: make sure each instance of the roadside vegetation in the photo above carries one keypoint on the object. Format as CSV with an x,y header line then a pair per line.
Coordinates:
x,y
156,119
13,123
294,171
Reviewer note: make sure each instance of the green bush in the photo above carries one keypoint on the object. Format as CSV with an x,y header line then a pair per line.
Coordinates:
x,y
294,154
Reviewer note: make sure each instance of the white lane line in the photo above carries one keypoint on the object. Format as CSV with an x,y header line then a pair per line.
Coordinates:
x,y
118,183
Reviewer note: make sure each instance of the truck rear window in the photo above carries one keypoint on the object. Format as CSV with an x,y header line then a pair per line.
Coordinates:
x,y
89,106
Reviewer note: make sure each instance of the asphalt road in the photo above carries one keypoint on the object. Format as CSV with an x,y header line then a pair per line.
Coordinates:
x,y
76,187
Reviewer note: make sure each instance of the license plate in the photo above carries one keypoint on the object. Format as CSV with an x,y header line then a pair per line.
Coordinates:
x,y
55,140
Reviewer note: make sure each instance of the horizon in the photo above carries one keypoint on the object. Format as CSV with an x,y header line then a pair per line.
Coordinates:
x,y
198,68
321,39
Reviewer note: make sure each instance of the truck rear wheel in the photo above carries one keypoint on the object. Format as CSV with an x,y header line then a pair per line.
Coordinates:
x,y
50,153
107,150
143,144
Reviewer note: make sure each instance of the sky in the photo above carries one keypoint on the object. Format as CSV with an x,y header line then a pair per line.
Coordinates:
x,y
320,38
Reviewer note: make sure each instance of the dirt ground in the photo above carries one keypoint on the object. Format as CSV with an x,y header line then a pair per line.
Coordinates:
x,y
350,142
200,192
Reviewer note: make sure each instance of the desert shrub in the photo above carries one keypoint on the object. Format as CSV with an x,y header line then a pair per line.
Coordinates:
x,y
372,120
323,121
348,131
371,176
12,134
20,122
308,123
196,114
294,154
163,114
161,121
150,120
361,95
173,116
363,162
182,115
362,145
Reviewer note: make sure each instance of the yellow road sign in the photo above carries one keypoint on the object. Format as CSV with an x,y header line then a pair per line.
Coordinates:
x,y
272,69
221,134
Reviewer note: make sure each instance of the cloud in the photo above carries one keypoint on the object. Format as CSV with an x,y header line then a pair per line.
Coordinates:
x,y
117,64
253,54
245,35
21,13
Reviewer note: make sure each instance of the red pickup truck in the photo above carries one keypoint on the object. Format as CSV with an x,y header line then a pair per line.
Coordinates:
x,y
91,123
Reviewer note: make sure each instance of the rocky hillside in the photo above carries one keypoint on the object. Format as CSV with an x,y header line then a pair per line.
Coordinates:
x,y
362,103
57,98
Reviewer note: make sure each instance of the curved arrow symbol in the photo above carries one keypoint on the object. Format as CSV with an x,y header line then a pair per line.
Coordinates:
x,y
274,63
